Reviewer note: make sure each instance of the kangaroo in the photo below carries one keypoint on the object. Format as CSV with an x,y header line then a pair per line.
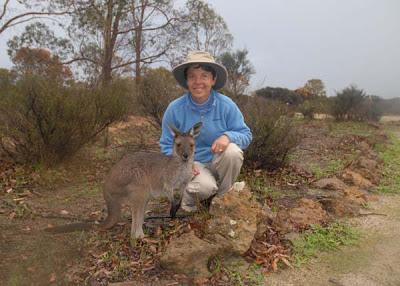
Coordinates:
x,y
140,176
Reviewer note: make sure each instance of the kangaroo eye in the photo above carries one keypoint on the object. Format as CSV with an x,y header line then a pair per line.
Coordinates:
x,y
178,144
191,145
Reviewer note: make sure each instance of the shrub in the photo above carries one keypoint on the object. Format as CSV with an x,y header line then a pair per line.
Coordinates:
x,y
354,104
274,135
312,106
284,95
308,109
157,89
44,121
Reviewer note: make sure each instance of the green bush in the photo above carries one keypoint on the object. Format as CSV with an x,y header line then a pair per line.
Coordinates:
x,y
315,105
274,135
157,89
308,108
44,121
354,104
284,95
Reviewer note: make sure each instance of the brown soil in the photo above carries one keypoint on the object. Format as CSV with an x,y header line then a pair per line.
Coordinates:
x,y
372,262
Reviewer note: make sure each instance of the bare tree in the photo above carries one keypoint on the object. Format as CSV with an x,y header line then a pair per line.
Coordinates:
x,y
120,36
152,24
204,29
13,13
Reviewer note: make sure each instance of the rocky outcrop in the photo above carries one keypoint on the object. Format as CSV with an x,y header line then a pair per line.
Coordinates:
x,y
356,179
306,213
235,218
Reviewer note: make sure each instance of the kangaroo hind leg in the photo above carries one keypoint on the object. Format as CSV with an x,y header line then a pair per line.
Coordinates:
x,y
138,208
113,212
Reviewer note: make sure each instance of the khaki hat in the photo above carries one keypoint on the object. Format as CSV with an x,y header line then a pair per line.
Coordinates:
x,y
200,57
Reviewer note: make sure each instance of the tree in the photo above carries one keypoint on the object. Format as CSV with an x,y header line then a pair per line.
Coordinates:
x,y
239,70
10,15
152,24
314,88
40,62
201,28
354,104
7,79
284,95
39,36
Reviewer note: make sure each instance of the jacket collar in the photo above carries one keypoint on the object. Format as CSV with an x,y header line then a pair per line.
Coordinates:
x,y
194,107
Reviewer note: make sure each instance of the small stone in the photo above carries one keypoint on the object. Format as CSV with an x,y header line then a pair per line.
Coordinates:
x,y
239,186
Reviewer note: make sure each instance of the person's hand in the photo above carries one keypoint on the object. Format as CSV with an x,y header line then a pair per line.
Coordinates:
x,y
195,170
220,144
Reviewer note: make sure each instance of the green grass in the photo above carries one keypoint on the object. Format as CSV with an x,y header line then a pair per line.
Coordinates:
x,y
239,272
321,238
390,154
330,169
260,186
350,127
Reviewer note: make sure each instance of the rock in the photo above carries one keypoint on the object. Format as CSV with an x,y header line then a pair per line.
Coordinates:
x,y
306,213
367,150
355,195
235,218
239,186
340,207
356,179
189,255
366,163
372,198
346,202
368,168
330,184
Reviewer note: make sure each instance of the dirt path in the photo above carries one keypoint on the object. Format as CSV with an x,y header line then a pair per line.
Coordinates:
x,y
375,261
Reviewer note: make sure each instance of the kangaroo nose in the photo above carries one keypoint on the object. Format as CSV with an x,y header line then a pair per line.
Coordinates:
x,y
185,155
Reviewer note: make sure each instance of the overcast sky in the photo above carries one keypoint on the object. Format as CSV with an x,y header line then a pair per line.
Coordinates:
x,y
341,42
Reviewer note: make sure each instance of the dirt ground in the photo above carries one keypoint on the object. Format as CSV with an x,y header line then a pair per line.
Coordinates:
x,y
374,261
34,200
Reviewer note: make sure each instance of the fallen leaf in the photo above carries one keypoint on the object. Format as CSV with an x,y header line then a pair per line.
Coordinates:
x,y
53,277
64,212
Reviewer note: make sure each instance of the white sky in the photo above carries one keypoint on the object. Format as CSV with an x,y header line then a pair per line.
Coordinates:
x,y
341,42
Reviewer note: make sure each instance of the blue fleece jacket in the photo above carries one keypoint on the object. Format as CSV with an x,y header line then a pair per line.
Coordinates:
x,y
220,115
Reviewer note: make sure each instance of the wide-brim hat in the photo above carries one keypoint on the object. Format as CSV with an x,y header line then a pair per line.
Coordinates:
x,y
200,57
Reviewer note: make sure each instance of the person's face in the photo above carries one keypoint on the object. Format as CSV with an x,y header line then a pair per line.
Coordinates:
x,y
200,83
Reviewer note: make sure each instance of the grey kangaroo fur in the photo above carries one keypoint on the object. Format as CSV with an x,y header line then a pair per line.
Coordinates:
x,y
140,176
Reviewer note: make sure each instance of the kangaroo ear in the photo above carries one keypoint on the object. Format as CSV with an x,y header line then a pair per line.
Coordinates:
x,y
195,130
174,131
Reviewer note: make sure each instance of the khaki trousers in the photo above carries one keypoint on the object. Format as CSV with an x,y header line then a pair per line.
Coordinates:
x,y
216,177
